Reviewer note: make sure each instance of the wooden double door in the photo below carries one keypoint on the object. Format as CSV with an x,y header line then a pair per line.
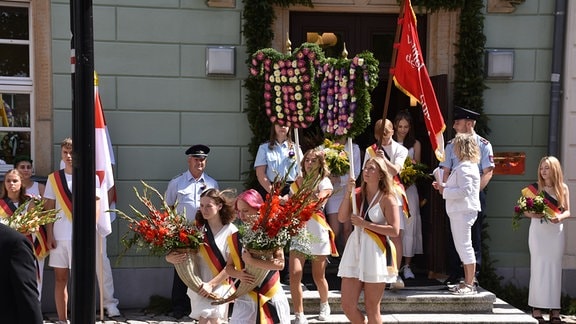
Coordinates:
x,y
358,32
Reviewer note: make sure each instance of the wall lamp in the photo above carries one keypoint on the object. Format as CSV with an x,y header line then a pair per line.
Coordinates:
x,y
499,64
220,61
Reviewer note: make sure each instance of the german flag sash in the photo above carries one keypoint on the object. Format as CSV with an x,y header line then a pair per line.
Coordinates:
x,y
38,239
320,218
382,241
262,295
398,186
551,204
62,192
211,253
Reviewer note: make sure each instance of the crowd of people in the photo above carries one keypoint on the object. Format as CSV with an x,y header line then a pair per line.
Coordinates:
x,y
374,229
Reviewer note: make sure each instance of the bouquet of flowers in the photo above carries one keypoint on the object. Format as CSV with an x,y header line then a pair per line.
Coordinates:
x,y
413,171
336,158
159,230
28,220
276,223
535,205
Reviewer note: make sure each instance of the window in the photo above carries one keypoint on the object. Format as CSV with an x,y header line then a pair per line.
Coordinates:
x,y
16,83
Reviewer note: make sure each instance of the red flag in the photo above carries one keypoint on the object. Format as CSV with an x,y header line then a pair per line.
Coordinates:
x,y
104,161
411,77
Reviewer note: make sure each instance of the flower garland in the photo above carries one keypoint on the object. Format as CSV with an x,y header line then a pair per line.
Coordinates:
x,y
290,94
345,94
159,231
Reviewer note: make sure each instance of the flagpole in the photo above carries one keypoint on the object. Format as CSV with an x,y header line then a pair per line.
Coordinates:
x,y
392,66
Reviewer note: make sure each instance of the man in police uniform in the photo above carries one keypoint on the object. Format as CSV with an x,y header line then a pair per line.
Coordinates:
x,y
185,189
464,122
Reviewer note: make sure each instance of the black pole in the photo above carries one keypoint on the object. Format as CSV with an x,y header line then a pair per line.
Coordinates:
x,y
556,79
83,306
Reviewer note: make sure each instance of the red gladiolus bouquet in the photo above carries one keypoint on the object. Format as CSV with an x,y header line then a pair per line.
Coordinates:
x,y
159,230
277,222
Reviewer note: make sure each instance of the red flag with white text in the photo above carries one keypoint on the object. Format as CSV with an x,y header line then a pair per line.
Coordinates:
x,y
411,77
104,161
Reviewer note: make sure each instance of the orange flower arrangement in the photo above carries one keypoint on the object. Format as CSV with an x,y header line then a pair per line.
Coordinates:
x,y
159,231
276,223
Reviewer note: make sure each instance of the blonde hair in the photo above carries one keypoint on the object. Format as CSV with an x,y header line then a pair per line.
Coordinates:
x,y
466,148
317,153
556,176
385,184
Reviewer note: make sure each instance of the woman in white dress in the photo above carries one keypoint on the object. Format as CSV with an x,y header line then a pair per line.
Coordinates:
x,y
369,260
322,237
546,240
412,236
215,216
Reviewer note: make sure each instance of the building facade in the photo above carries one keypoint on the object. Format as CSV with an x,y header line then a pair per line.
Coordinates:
x,y
158,100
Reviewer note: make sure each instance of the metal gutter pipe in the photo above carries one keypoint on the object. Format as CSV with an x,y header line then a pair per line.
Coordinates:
x,y
556,78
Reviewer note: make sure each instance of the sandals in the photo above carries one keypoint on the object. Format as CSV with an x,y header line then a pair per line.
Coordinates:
x,y
537,315
555,317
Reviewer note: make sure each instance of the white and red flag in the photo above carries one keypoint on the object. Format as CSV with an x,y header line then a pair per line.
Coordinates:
x,y
104,161
411,77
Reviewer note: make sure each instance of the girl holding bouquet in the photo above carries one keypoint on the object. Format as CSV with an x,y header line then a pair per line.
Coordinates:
x,y
369,260
215,216
267,303
412,236
12,195
546,239
313,166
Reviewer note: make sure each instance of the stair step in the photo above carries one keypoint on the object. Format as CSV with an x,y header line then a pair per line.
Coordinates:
x,y
424,300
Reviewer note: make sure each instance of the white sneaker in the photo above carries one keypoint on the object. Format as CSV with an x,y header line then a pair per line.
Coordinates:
x,y
112,311
324,312
300,319
465,290
399,284
408,274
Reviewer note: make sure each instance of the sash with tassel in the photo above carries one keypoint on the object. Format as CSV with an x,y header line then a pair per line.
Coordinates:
x,y
382,241
319,217
551,204
398,186
262,295
62,192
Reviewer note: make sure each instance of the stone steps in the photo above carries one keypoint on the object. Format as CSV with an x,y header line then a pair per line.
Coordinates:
x,y
424,305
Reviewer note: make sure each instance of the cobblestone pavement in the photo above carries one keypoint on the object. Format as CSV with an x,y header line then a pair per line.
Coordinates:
x,y
130,316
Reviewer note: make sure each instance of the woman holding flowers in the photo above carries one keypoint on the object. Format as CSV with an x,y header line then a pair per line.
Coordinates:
x,y
322,243
13,195
275,159
412,236
267,303
461,192
369,260
215,217
546,239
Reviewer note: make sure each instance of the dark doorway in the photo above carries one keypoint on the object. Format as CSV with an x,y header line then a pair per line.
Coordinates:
x,y
358,32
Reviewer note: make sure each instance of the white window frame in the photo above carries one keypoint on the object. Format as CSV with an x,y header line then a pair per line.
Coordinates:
x,y
21,85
